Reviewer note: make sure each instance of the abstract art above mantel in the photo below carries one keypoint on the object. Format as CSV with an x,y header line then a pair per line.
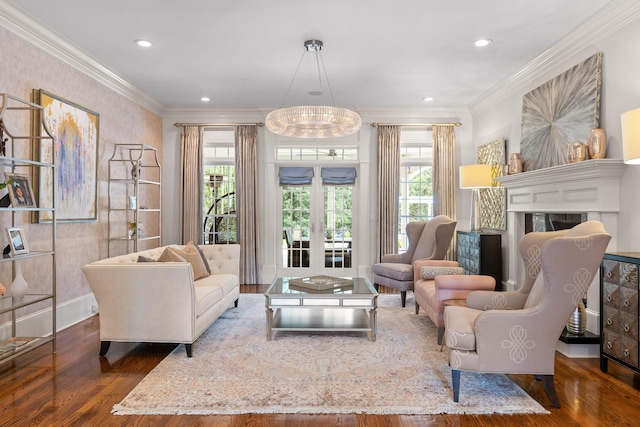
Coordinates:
x,y
493,201
559,112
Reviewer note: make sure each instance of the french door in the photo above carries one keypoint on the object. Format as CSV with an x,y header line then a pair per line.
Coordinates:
x,y
317,222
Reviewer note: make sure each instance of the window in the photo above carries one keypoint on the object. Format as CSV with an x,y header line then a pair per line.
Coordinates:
x,y
219,201
416,183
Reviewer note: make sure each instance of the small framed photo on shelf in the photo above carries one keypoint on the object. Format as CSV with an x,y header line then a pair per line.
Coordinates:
x,y
20,191
17,242
132,202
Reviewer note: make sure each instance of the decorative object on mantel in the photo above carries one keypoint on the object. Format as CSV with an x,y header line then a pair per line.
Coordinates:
x,y
576,152
515,163
2,289
19,286
493,201
597,144
631,136
314,121
475,177
560,111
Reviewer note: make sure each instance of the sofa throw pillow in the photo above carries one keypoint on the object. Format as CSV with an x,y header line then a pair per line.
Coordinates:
x,y
429,272
189,246
169,255
192,256
145,259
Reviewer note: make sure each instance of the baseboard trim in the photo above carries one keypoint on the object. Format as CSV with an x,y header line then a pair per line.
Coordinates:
x,y
39,323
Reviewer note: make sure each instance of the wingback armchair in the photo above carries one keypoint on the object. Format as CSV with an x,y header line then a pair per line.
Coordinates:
x,y
427,240
523,340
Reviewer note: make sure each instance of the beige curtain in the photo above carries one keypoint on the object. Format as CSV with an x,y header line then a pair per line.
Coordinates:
x,y
247,202
191,184
388,188
444,175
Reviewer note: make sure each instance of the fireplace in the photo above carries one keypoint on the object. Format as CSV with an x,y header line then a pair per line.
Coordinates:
x,y
543,221
562,195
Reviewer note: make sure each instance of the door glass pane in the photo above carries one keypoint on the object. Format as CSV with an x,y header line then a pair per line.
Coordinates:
x,y
296,233
338,226
219,205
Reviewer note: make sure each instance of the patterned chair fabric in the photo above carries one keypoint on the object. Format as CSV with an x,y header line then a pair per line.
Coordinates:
x,y
427,240
523,340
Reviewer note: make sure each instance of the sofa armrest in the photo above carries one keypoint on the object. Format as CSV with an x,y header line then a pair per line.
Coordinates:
x,y
468,282
134,299
489,300
430,262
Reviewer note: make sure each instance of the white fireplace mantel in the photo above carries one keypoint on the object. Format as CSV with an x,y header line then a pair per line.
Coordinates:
x,y
591,187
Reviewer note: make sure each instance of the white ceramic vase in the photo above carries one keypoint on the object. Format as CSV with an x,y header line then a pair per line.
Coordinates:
x,y
19,286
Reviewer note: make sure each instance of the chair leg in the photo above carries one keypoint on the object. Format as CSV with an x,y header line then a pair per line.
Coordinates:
x,y
104,347
417,308
550,389
440,335
376,287
455,382
403,297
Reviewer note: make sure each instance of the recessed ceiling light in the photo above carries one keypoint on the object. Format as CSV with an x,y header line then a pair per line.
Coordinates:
x,y
482,42
143,43
427,99
205,99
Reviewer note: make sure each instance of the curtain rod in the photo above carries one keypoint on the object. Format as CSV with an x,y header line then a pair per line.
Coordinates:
x,y
456,124
259,124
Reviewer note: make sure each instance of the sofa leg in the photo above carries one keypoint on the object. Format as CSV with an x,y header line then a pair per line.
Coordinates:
x,y
440,335
403,297
376,287
104,347
189,348
550,389
236,302
455,382
417,308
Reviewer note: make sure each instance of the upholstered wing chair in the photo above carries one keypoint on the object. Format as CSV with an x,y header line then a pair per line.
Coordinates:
x,y
427,240
523,340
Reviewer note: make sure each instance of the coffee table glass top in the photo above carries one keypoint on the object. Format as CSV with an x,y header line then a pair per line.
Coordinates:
x,y
351,286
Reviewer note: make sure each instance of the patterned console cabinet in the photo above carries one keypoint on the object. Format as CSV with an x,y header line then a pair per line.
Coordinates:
x,y
481,253
619,310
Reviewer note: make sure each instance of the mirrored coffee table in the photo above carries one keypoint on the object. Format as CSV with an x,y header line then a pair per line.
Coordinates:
x,y
349,305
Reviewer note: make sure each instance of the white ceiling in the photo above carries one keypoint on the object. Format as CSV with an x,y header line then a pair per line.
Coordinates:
x,y
377,53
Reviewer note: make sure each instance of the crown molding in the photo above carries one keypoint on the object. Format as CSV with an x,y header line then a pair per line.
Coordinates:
x,y
605,22
17,21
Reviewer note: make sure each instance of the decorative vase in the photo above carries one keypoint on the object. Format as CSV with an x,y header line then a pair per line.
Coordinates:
x,y
576,152
597,144
2,289
515,163
19,286
505,170
577,323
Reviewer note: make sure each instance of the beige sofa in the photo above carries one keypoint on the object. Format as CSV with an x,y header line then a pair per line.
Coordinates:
x,y
160,301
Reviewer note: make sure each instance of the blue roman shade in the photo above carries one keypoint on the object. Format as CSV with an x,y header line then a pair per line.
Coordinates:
x,y
295,176
338,176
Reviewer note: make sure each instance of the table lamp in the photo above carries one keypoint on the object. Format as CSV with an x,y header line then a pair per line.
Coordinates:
x,y
631,136
475,177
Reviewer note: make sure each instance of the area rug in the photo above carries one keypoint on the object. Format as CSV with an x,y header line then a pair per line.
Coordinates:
x,y
235,370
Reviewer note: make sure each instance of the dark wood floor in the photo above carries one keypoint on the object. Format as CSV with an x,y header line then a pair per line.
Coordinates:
x,y
75,387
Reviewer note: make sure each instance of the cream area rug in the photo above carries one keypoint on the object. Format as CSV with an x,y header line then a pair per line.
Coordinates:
x,y
235,370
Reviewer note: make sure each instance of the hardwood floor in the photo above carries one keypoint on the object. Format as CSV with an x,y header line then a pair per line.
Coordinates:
x,y
75,387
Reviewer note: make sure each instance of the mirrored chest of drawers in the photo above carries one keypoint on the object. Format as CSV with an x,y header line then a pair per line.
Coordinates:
x,y
619,321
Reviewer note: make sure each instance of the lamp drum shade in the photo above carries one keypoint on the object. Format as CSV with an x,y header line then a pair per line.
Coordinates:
x,y
475,176
631,136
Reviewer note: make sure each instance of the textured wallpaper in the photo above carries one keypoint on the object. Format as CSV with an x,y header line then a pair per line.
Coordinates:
x,y
25,68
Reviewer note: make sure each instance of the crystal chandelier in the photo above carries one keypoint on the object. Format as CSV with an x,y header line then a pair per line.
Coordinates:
x,y
313,121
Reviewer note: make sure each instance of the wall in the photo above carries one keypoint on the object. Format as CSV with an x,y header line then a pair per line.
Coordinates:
x,y
620,93
26,67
